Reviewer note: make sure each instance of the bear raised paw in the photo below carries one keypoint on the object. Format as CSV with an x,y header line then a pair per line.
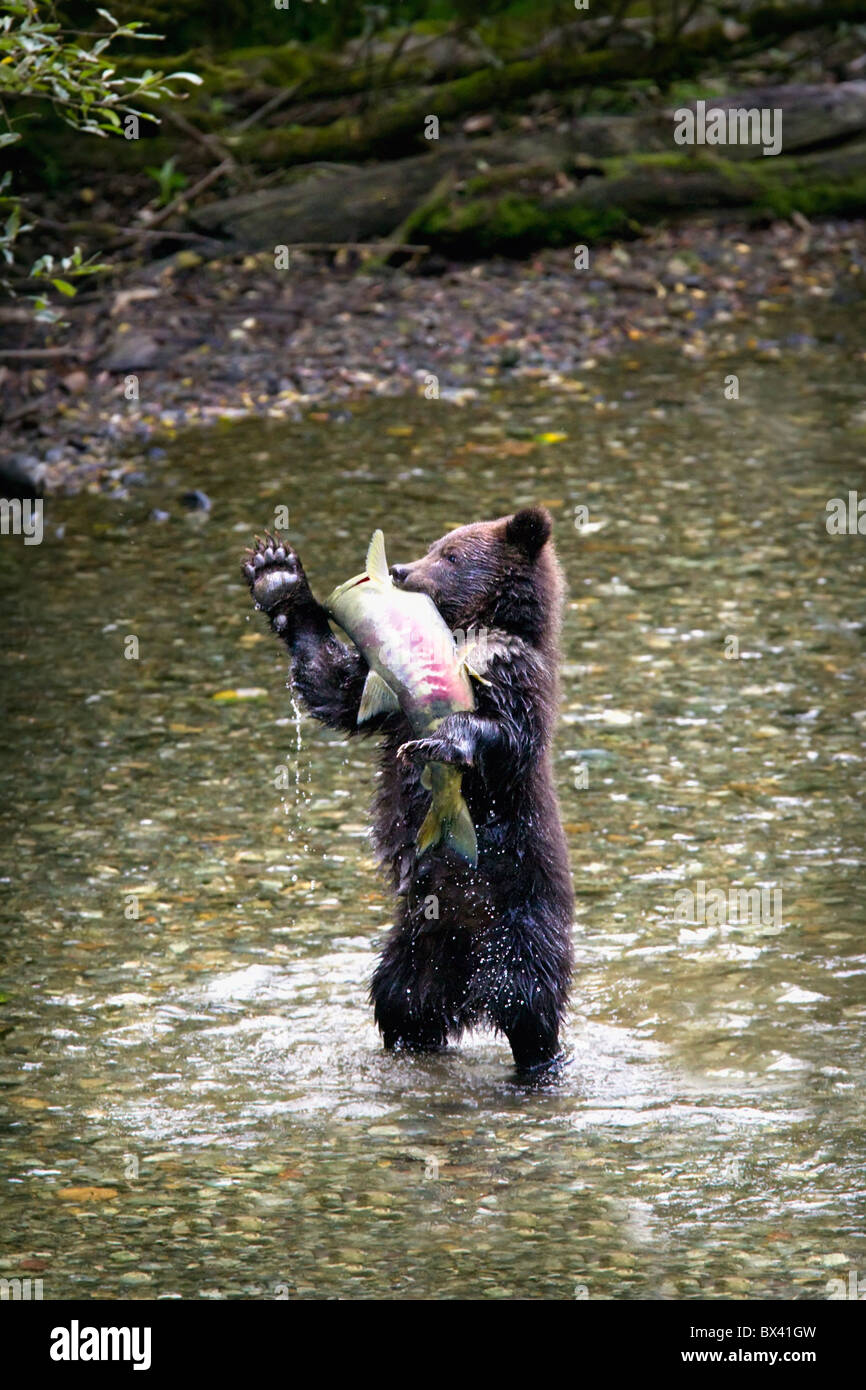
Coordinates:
x,y
273,572
472,945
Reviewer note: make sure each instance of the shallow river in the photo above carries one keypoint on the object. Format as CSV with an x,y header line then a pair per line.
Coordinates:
x,y
195,1101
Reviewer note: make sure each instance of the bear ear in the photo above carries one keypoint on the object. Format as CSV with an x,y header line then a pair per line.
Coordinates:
x,y
529,529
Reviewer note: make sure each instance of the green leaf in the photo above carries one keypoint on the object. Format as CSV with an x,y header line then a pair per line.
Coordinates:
x,y
64,287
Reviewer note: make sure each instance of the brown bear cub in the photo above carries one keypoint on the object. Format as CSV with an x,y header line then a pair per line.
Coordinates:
x,y
489,944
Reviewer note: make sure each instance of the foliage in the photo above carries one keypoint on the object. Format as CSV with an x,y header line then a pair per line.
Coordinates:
x,y
169,179
45,268
328,23
40,61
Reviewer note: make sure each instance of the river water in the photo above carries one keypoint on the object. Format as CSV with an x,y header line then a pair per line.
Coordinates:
x,y
195,1100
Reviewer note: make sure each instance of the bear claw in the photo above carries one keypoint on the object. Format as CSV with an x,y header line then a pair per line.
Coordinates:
x,y
272,571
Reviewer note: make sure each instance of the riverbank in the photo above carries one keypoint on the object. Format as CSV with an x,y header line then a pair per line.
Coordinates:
x,y
191,343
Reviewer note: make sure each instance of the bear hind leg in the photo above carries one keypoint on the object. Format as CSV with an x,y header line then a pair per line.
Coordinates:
x,y
526,1001
534,1040
411,1005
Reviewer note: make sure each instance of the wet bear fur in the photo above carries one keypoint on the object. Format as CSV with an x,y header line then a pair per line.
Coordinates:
x,y
483,946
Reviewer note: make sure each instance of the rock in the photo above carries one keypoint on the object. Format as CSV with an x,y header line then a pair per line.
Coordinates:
x,y
124,298
733,30
132,352
196,501
188,260
86,1194
21,476
75,382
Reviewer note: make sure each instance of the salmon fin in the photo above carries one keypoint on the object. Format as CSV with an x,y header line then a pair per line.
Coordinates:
x,y
427,777
474,657
377,698
471,671
460,834
456,831
431,830
377,565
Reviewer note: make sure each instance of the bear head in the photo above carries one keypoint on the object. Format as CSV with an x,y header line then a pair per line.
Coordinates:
x,y
493,574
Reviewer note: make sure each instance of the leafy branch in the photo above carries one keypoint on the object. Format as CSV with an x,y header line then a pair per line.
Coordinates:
x,y
41,61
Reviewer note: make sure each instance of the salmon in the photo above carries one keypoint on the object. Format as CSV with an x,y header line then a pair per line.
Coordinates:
x,y
417,667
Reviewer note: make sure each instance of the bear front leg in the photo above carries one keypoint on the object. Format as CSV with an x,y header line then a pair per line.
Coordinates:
x,y
328,675
461,740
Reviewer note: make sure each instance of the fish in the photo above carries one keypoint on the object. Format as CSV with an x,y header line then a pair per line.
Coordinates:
x,y
415,666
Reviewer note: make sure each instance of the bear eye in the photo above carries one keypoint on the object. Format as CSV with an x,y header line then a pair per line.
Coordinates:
x,y
452,557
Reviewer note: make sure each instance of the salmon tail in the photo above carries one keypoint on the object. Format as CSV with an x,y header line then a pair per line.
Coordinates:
x,y
454,828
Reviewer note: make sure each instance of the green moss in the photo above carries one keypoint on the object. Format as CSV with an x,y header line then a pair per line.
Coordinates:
x,y
823,198
621,166
236,69
508,175
684,92
514,225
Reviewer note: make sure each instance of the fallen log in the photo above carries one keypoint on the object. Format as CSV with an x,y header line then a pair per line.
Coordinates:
x,y
398,127
355,205
517,211
476,198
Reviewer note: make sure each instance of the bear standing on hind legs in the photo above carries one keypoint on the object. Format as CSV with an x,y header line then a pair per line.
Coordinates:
x,y
484,945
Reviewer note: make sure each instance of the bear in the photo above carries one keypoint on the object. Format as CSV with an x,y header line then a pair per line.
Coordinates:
x,y
485,945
